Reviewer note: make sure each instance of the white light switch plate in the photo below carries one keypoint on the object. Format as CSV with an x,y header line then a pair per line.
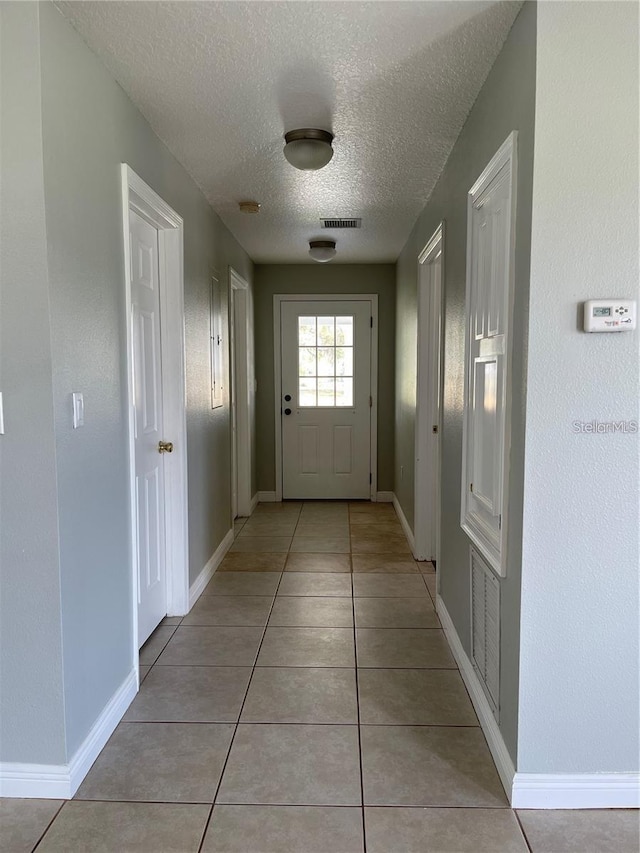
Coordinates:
x,y
78,409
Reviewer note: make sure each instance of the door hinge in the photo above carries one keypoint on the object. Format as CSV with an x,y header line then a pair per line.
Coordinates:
x,y
470,487
499,522
370,402
370,479
434,428
371,322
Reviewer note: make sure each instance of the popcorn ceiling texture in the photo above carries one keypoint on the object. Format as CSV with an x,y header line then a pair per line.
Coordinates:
x,y
221,82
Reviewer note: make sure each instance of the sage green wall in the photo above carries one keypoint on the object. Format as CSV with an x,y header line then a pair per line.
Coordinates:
x,y
270,279
506,102
69,589
31,695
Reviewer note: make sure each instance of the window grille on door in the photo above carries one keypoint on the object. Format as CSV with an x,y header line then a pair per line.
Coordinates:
x,y
325,361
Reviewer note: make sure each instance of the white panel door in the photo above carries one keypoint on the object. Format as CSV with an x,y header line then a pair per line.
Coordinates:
x,y
326,399
149,461
491,211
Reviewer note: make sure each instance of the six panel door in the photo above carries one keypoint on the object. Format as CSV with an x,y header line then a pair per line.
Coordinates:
x,y
149,463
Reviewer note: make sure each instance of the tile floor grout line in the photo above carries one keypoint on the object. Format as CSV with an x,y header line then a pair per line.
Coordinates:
x,y
48,826
300,724
291,805
237,724
304,666
175,628
355,653
254,666
522,830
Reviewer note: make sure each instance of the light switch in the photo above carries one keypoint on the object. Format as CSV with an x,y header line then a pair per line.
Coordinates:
x,y
78,409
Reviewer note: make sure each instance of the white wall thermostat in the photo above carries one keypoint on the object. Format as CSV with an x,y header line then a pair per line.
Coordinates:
x,y
610,315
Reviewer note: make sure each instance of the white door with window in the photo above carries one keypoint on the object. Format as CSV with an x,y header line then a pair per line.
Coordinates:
x,y
326,399
148,440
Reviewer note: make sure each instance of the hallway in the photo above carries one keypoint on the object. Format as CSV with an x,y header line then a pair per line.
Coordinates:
x,y
254,702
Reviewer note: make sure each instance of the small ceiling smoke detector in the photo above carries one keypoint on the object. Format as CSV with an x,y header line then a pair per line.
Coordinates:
x,y
249,207
308,149
322,250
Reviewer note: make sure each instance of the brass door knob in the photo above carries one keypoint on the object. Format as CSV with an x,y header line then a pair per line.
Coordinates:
x,y
165,447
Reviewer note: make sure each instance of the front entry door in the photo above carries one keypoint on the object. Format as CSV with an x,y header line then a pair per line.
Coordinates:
x,y
149,462
326,399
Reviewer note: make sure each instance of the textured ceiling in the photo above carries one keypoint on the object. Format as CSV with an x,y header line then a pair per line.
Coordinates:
x,y
221,82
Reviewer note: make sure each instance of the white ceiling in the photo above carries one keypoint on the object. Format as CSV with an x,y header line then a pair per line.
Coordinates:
x,y
220,82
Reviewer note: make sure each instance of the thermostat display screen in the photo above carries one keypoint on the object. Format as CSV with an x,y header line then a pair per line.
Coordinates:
x,y
601,312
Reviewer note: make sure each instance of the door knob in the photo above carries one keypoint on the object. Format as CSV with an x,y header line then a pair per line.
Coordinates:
x,y
165,447
287,397
287,411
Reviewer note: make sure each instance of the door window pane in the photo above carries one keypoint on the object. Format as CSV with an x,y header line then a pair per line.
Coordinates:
x,y
307,331
306,361
326,392
344,392
325,361
344,361
344,331
326,331
307,391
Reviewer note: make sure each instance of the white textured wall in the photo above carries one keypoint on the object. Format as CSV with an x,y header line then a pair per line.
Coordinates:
x,y
579,623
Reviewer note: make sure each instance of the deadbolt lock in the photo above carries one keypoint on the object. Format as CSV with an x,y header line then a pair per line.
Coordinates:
x,y
165,447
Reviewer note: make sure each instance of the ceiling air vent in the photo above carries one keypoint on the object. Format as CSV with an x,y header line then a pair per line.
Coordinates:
x,y
341,223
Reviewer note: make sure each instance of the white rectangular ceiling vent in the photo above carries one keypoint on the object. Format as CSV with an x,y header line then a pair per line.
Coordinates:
x,y
485,629
341,223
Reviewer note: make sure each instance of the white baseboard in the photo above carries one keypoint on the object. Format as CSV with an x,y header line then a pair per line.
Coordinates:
x,y
267,497
576,791
498,748
102,730
539,790
197,587
384,497
408,532
61,781
41,781
254,501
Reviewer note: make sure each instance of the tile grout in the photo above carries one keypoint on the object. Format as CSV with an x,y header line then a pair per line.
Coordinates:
x,y
236,722
237,725
357,682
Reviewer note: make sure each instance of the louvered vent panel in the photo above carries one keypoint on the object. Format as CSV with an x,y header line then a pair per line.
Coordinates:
x,y
485,628
341,223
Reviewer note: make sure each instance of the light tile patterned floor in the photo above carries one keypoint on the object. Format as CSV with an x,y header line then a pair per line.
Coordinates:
x,y
309,703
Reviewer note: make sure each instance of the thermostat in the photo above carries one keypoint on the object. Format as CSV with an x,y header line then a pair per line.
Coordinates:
x,y
610,315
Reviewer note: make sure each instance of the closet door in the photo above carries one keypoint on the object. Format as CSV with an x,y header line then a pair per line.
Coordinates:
x,y
491,212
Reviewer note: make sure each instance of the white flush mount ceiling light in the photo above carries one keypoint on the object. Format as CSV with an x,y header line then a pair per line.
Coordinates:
x,y
322,250
308,148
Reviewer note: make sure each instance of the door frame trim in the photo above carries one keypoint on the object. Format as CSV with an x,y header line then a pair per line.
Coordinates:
x,y
424,472
139,196
278,299
242,387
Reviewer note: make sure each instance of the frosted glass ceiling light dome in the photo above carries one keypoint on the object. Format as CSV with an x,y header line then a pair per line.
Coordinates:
x,y
322,250
308,148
